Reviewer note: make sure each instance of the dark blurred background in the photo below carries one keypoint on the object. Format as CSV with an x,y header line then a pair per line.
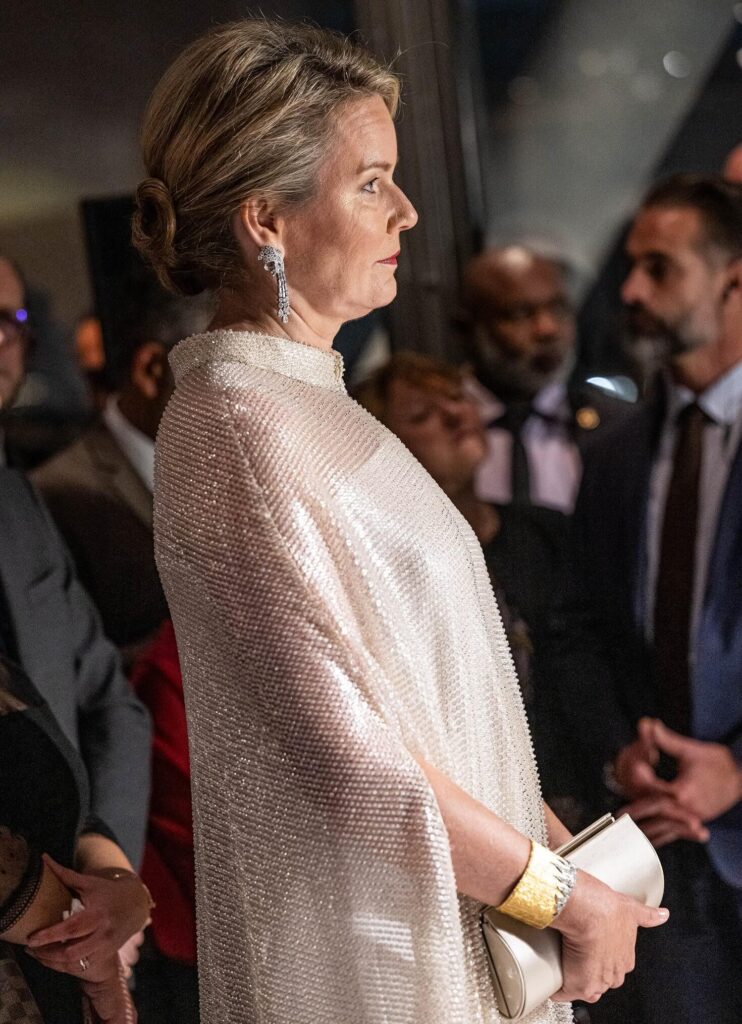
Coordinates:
x,y
542,119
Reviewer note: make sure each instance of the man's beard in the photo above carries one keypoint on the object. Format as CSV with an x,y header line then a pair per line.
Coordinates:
x,y
511,376
671,341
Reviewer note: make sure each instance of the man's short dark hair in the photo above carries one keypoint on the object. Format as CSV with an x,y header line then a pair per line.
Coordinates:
x,y
718,202
149,313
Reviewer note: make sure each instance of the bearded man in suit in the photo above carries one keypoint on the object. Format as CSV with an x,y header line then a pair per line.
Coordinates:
x,y
648,645
540,416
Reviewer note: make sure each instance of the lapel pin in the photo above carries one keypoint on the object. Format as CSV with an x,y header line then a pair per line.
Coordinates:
x,y
587,417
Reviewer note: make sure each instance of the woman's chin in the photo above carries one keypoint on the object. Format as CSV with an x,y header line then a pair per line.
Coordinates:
x,y
381,297
471,450
389,293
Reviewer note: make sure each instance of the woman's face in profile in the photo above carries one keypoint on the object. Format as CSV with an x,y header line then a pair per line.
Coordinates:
x,y
342,247
441,426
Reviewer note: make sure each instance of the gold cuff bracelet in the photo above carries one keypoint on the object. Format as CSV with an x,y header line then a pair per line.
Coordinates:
x,y
542,889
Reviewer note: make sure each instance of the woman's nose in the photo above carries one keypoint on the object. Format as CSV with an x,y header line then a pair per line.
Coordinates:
x,y
453,413
405,214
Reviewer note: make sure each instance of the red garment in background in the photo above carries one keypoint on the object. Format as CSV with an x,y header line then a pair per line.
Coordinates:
x,y
168,869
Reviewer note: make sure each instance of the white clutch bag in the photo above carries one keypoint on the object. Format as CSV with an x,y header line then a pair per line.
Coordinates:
x,y
526,963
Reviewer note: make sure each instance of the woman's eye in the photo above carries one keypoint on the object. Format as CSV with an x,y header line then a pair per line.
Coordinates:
x,y
419,416
371,186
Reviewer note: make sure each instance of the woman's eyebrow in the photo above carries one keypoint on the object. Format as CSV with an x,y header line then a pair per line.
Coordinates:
x,y
376,165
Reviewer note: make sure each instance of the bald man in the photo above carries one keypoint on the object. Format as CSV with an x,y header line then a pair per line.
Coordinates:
x,y
522,336
13,335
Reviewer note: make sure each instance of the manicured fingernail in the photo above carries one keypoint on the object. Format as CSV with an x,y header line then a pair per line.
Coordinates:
x,y
663,914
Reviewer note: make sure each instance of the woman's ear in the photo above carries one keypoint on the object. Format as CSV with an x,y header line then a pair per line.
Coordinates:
x,y
256,223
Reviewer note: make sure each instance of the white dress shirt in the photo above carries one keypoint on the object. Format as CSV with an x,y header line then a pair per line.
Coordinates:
x,y
554,463
722,403
136,446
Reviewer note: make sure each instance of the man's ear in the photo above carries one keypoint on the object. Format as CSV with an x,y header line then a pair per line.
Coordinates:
x,y
149,369
733,284
257,223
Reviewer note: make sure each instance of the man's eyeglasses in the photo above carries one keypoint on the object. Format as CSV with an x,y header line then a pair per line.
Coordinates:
x,y
13,327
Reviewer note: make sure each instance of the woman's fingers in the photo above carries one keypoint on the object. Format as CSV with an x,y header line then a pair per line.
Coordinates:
x,y
71,952
75,927
652,917
72,879
68,959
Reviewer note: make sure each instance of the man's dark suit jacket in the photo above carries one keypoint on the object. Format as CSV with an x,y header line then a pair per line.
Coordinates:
x,y
58,640
600,663
104,512
529,553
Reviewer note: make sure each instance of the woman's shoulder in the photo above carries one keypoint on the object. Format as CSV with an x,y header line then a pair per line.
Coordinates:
x,y
271,418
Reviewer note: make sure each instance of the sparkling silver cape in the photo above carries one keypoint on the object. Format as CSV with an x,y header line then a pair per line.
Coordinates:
x,y
334,616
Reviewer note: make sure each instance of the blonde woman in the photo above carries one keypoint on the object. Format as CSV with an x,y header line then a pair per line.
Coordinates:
x,y
362,772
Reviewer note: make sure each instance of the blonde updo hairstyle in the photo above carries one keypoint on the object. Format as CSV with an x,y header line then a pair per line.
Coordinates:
x,y
247,110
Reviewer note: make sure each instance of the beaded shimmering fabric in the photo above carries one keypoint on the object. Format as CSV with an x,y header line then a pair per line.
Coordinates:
x,y
333,616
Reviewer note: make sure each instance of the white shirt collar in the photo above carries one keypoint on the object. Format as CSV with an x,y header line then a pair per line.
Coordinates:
x,y
136,446
721,401
550,400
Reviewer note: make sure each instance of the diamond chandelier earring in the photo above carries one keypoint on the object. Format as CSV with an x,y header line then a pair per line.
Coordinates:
x,y
272,260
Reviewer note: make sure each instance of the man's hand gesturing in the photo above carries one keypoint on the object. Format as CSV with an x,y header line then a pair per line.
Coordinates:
x,y
708,783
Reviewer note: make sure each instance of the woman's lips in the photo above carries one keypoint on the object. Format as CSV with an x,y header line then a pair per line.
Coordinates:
x,y
391,261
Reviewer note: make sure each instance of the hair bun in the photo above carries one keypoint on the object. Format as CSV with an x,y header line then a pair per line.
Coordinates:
x,y
153,228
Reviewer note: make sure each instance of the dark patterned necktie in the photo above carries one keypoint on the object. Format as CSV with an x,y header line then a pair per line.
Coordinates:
x,y
676,570
7,644
513,420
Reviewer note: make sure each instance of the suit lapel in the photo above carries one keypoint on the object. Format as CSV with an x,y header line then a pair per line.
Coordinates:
x,y
122,479
639,455
725,567
26,568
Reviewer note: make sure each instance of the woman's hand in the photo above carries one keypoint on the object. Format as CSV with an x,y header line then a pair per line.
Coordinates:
x,y
599,927
114,910
109,996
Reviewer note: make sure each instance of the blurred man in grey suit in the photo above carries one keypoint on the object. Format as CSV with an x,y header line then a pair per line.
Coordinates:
x,y
99,490
49,627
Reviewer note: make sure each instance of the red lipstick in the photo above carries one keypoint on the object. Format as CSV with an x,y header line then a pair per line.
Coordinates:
x,y
392,260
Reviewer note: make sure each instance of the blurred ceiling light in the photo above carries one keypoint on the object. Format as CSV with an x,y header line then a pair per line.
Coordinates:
x,y
676,64
620,386
623,61
646,87
524,91
592,63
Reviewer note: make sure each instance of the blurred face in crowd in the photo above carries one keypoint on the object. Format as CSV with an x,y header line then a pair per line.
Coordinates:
x,y
150,383
732,170
676,287
89,350
13,336
441,426
523,323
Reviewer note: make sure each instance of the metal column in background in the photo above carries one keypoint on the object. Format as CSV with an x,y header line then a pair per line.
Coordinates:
x,y
436,122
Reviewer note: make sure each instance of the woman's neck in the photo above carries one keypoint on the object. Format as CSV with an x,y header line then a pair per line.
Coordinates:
x,y
232,313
